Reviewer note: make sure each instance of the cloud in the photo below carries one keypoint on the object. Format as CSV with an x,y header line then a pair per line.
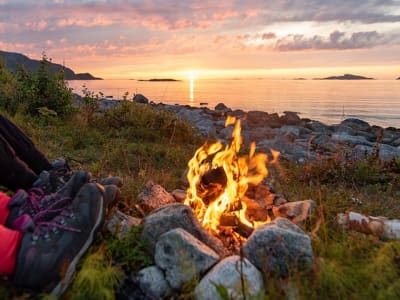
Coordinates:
x,y
337,40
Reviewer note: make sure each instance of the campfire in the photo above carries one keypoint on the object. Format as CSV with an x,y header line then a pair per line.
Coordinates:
x,y
218,180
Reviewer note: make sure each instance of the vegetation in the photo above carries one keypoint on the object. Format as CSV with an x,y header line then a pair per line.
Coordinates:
x,y
139,143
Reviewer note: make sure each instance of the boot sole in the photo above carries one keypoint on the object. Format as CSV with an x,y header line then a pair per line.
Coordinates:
x,y
70,274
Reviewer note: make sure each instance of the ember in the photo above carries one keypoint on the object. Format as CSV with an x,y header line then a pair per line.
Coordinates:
x,y
218,179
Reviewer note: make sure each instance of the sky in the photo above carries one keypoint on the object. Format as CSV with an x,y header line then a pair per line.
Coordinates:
x,y
204,38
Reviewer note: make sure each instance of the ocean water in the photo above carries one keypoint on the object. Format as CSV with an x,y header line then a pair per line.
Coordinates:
x,y
328,101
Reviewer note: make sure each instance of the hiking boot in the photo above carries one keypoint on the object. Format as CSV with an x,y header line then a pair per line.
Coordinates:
x,y
43,207
48,256
53,180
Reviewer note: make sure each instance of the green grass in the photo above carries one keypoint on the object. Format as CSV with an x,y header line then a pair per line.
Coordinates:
x,y
139,144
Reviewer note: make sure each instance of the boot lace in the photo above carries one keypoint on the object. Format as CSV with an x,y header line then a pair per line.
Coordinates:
x,y
44,228
42,206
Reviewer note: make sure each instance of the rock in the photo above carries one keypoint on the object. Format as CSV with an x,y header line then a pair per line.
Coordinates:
x,y
222,107
318,127
153,196
258,134
206,128
179,195
346,138
356,124
227,274
173,216
121,223
290,118
279,247
152,282
237,113
296,211
139,98
257,118
182,257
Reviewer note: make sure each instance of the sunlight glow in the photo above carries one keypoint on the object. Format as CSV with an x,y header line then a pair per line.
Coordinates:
x,y
191,87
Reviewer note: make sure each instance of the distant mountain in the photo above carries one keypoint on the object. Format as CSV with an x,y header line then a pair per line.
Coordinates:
x,y
13,60
345,77
398,78
159,79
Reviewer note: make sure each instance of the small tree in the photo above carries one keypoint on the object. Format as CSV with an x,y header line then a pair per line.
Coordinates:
x,y
43,88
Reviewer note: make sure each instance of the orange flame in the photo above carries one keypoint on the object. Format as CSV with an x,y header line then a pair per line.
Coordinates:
x,y
240,171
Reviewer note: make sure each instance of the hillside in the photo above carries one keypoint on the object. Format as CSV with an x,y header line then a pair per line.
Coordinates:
x,y
13,60
346,77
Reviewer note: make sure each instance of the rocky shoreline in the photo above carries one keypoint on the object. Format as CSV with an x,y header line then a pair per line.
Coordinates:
x,y
297,139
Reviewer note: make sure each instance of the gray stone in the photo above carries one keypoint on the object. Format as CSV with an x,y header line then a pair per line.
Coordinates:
x,y
121,223
318,127
256,117
290,118
153,283
356,124
346,138
290,130
173,216
387,152
229,273
279,247
222,107
139,98
182,257
153,196
206,127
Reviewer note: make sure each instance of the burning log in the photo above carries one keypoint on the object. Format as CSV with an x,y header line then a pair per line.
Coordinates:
x,y
231,220
212,185
379,226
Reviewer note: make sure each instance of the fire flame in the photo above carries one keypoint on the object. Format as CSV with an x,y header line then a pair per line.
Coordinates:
x,y
233,174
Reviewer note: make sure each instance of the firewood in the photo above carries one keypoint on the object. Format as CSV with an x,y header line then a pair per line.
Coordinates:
x,y
379,226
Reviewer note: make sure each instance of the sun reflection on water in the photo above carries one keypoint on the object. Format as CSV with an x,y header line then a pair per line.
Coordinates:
x,y
191,89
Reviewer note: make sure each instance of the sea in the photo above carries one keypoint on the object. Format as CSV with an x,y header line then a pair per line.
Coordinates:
x,y
329,101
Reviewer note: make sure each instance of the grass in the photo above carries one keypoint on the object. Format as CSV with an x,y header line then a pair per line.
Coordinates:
x,y
139,144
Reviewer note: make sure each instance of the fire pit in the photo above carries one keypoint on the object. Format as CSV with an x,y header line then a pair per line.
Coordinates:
x,y
218,230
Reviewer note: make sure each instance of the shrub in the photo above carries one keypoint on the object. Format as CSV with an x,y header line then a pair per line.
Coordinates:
x,y
42,88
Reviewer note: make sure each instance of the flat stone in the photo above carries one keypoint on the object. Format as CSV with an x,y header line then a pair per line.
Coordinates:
x,y
229,274
182,257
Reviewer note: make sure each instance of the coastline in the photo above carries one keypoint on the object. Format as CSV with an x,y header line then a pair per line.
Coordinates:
x,y
297,139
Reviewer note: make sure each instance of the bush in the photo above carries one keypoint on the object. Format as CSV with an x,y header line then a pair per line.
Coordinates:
x,y
37,90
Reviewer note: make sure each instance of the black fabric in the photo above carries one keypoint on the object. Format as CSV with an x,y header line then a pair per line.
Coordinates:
x,y
20,160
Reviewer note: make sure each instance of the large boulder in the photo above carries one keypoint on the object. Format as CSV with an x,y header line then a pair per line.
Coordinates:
x,y
182,257
229,273
279,247
173,216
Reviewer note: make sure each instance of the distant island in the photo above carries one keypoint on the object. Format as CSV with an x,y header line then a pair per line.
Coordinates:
x,y
159,79
345,77
398,78
299,78
13,60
